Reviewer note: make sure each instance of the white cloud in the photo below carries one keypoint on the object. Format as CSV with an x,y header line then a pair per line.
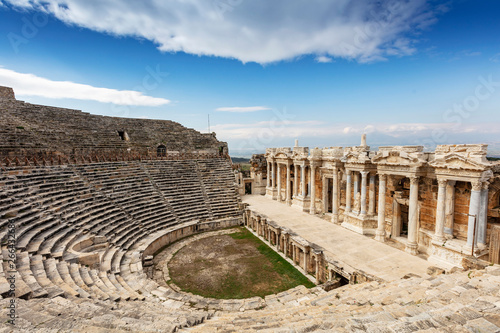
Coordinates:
x,y
240,109
258,30
32,85
323,59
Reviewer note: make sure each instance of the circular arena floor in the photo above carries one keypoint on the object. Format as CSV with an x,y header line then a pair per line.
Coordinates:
x,y
227,264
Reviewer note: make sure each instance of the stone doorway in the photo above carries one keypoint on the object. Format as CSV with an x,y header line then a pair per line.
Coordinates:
x,y
161,151
248,188
329,198
400,211
404,221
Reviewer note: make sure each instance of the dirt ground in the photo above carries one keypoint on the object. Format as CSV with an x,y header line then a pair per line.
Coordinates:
x,y
224,267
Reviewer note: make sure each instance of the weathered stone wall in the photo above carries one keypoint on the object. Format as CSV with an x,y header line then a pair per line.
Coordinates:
x,y
462,198
7,93
28,129
428,201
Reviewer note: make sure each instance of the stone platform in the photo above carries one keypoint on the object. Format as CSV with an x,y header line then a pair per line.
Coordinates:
x,y
359,251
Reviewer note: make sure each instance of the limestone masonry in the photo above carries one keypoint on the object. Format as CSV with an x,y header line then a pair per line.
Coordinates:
x,y
44,131
444,204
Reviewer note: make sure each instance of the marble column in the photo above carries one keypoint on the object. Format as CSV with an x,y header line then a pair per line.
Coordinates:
x,y
279,182
324,195
474,203
450,209
268,180
303,180
335,196
380,232
273,175
316,273
295,180
312,210
305,260
288,187
364,175
440,211
348,192
371,195
356,183
411,245
483,216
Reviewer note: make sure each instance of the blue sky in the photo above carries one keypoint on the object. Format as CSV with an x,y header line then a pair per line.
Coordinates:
x,y
404,72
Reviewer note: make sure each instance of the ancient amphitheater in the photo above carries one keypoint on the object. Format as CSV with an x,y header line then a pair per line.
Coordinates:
x,y
396,240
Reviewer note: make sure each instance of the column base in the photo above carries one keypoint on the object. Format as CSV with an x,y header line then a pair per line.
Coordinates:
x,y
363,225
380,235
301,203
271,193
411,248
438,239
288,202
335,218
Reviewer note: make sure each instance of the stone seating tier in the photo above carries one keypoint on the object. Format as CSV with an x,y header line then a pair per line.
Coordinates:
x,y
54,208
33,129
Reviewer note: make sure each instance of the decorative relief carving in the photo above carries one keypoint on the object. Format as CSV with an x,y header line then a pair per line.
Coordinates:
x,y
414,180
442,182
476,185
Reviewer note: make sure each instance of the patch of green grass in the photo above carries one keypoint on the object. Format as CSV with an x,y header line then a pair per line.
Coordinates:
x,y
266,272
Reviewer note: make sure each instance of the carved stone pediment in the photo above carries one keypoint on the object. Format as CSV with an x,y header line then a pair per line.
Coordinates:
x,y
300,153
354,157
270,152
333,153
399,158
455,161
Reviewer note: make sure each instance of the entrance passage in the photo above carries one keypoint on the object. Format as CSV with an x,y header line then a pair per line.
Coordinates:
x,y
248,188
404,221
161,151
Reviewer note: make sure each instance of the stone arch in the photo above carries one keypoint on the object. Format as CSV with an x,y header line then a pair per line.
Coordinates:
x,y
161,151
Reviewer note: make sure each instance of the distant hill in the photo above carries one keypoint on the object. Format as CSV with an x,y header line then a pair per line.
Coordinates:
x,y
240,160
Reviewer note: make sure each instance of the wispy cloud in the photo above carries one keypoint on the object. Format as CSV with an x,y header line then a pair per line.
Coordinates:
x,y
32,85
259,31
495,58
323,59
240,109
464,53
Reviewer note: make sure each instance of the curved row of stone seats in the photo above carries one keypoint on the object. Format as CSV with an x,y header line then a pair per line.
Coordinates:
x,y
65,126
38,127
219,184
130,188
83,315
180,184
56,208
458,302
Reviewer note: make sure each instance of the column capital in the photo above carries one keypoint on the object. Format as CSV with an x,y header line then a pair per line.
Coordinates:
x,y
486,185
476,185
348,172
382,177
364,173
414,180
442,182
